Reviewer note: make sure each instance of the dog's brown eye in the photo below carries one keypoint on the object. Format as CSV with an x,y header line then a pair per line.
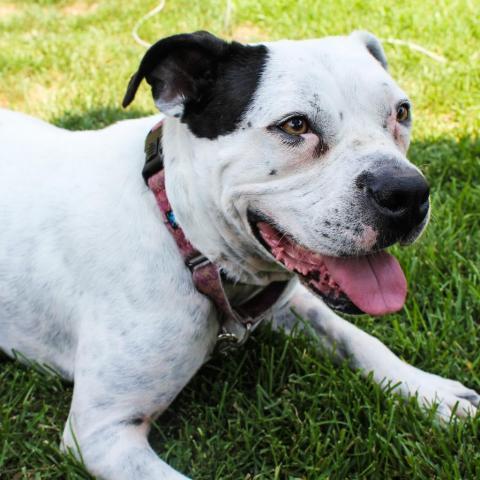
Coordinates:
x,y
403,112
295,126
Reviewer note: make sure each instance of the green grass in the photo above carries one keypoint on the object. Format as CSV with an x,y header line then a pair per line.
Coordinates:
x,y
277,410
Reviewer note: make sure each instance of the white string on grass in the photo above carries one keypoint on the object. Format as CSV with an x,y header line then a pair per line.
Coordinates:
x,y
227,19
227,16
416,47
142,20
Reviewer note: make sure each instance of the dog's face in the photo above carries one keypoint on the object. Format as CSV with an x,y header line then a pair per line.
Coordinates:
x,y
298,153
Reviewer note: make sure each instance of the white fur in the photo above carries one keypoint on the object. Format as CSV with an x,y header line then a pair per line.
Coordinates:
x,y
93,284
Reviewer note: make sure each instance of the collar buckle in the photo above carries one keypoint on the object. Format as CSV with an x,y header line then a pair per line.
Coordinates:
x,y
228,341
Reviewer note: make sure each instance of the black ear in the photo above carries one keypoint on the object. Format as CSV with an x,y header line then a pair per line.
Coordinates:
x,y
201,79
373,45
177,68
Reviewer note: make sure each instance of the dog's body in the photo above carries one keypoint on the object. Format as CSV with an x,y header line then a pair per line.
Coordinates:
x,y
93,284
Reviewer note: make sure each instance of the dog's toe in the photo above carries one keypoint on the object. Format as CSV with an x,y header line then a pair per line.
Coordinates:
x,y
472,397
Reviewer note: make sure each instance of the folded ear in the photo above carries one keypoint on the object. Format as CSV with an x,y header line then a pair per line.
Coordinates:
x,y
372,44
178,68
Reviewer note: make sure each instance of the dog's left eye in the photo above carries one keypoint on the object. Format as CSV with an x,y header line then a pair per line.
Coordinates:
x,y
295,126
403,112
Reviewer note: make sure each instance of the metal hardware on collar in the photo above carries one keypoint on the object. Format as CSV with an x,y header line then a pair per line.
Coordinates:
x,y
153,152
227,341
197,262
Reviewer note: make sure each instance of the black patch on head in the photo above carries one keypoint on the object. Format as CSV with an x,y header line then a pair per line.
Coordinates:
x,y
213,80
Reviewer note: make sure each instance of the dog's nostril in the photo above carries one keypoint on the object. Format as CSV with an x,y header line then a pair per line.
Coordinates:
x,y
392,200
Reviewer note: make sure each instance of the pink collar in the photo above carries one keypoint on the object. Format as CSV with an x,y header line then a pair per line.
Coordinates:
x,y
207,277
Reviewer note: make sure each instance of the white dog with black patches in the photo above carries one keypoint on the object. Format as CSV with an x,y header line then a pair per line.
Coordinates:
x,y
283,161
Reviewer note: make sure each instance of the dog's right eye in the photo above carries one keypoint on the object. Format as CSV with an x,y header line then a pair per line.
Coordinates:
x,y
295,125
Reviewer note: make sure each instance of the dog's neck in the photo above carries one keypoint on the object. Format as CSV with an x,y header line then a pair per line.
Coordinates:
x,y
193,181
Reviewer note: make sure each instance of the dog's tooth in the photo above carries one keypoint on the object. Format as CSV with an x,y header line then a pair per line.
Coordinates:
x,y
289,263
332,283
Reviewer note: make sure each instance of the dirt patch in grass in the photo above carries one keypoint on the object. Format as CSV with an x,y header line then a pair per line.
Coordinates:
x,y
4,103
43,93
8,9
79,8
247,32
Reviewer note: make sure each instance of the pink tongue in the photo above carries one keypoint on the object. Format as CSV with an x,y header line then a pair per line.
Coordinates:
x,y
374,283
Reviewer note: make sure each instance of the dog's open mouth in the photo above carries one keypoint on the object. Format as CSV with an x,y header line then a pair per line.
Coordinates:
x,y
373,284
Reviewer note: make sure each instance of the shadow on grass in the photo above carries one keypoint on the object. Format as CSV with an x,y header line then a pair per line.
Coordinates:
x,y
97,118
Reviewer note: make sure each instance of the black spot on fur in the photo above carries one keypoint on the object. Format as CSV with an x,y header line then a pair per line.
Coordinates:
x,y
273,172
215,79
136,421
321,148
341,115
312,314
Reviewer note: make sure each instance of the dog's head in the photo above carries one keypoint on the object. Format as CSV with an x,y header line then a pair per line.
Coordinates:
x,y
291,156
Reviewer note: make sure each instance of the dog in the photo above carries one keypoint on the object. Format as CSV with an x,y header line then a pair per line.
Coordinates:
x,y
283,164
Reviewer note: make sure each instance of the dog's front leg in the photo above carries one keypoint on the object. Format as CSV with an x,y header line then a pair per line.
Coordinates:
x,y
346,341
126,374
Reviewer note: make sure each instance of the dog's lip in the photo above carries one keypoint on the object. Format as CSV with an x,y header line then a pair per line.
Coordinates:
x,y
254,217
339,302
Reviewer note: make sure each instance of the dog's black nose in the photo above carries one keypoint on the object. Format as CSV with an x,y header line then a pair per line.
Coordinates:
x,y
399,195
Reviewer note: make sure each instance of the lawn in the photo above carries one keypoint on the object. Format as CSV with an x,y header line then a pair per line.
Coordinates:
x,y
276,409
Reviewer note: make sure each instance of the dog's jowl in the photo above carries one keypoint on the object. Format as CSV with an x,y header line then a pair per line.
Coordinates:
x,y
280,177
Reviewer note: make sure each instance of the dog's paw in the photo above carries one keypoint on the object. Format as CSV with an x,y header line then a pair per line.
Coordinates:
x,y
451,398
